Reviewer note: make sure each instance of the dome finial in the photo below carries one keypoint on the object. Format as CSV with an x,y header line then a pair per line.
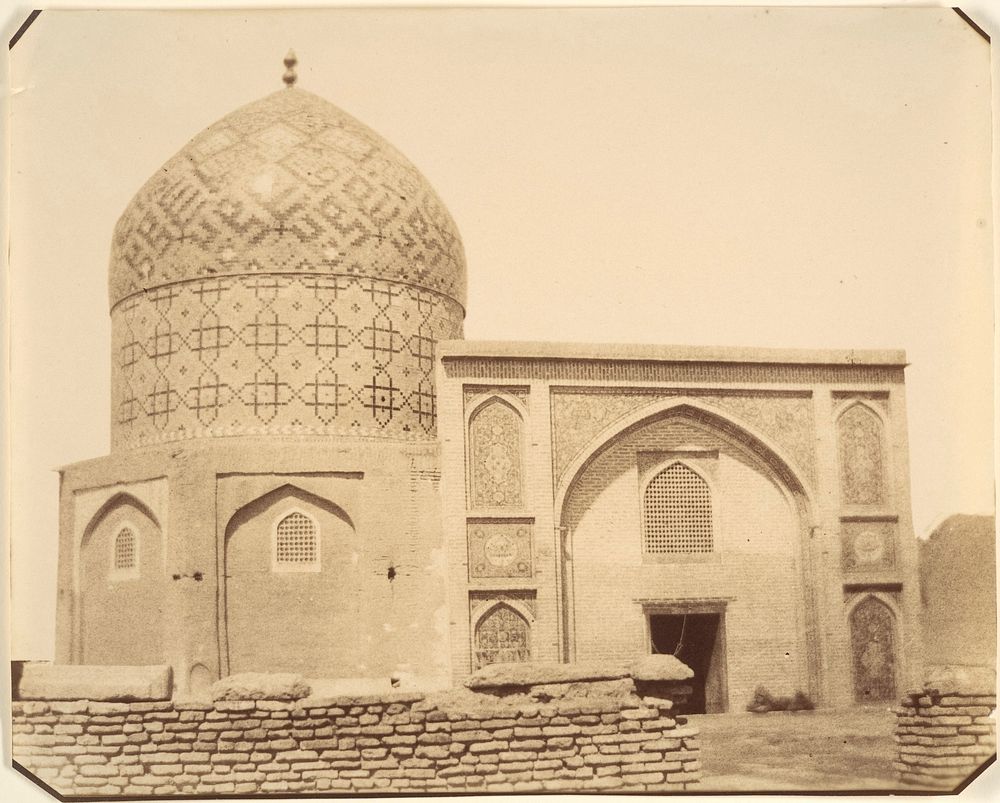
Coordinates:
x,y
290,76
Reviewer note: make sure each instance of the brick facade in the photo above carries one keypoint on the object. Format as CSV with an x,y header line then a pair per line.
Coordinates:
x,y
786,441
286,294
221,607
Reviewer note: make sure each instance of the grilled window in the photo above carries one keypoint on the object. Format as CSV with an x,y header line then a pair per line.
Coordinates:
x,y
296,544
125,557
677,513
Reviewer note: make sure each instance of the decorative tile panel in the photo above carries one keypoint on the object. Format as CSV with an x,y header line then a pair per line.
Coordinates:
x,y
859,436
482,599
868,545
495,457
873,651
579,416
473,392
277,355
502,636
288,184
500,549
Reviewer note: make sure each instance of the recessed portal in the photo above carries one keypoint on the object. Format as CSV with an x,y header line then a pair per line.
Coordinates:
x,y
697,640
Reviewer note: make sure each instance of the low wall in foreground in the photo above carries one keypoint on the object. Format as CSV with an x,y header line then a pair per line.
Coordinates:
x,y
947,729
576,735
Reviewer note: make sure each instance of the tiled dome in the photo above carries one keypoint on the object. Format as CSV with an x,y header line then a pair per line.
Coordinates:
x,y
289,184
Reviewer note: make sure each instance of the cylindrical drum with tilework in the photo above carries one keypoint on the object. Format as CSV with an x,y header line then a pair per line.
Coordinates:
x,y
287,272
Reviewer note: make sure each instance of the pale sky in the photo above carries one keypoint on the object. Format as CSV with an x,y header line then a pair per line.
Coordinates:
x,y
789,178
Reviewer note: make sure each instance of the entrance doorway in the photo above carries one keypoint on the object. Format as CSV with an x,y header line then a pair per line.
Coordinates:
x,y
697,639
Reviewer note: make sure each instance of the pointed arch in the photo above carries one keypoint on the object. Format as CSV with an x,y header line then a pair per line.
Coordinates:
x,y
769,459
501,633
721,421
269,619
119,577
861,453
285,490
495,452
119,499
873,631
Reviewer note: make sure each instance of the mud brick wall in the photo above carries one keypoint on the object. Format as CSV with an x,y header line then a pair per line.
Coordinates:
x,y
392,743
943,736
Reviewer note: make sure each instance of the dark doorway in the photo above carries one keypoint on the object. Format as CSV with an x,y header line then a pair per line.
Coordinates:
x,y
697,640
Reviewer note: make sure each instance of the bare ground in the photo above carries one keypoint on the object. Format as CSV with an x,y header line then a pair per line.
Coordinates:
x,y
839,750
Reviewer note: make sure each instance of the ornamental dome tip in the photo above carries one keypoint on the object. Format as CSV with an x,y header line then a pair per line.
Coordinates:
x,y
290,76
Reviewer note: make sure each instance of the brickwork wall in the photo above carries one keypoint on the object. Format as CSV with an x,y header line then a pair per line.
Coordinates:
x,y
232,491
122,612
754,565
392,743
942,737
803,424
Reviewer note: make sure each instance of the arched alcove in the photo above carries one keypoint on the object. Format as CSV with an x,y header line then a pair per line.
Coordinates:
x,y
874,656
861,455
120,585
290,610
496,455
746,570
502,634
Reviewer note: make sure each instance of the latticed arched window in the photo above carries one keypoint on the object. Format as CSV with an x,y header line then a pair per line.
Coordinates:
x,y
126,558
859,433
677,513
502,636
296,543
495,456
873,651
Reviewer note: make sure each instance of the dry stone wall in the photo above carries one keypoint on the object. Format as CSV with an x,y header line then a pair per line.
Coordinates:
x,y
946,730
395,742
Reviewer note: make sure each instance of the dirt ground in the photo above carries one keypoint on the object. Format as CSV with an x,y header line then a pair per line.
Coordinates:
x,y
807,750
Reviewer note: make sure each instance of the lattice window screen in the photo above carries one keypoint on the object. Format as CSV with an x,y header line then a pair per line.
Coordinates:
x,y
678,512
296,541
125,550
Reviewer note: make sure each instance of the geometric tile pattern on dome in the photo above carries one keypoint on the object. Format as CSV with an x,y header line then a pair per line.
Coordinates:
x,y
287,184
277,355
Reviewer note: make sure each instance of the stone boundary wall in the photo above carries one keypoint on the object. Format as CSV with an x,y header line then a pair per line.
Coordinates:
x,y
392,743
945,731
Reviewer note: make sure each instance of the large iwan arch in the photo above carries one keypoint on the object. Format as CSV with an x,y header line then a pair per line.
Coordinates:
x,y
748,597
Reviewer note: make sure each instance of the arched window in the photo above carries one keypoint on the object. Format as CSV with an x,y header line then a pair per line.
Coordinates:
x,y
859,433
677,513
502,636
296,543
125,558
495,456
873,651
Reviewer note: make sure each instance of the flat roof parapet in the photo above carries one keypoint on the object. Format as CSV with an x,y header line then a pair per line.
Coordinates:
x,y
635,352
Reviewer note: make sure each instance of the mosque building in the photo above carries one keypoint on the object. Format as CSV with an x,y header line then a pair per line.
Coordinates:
x,y
312,471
